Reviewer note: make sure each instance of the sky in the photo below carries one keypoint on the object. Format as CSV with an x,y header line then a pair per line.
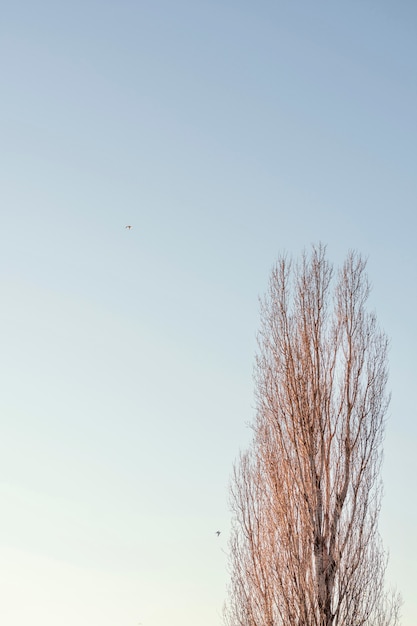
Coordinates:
x,y
225,132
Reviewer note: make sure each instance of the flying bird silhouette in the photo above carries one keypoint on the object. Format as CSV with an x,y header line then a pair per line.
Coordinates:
x,y
129,227
218,532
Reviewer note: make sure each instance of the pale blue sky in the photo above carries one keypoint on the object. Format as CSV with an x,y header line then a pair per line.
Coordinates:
x,y
225,133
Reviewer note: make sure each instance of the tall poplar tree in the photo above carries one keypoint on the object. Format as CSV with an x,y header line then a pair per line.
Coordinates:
x,y
305,548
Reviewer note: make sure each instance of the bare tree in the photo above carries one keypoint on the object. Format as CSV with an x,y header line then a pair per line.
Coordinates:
x,y
305,548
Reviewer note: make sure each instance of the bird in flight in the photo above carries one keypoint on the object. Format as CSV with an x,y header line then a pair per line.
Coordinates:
x,y
218,532
129,227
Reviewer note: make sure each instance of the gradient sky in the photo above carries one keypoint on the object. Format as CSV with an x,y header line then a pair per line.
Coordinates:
x,y
225,132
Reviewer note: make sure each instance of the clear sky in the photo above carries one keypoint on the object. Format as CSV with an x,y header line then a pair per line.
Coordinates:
x,y
225,132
